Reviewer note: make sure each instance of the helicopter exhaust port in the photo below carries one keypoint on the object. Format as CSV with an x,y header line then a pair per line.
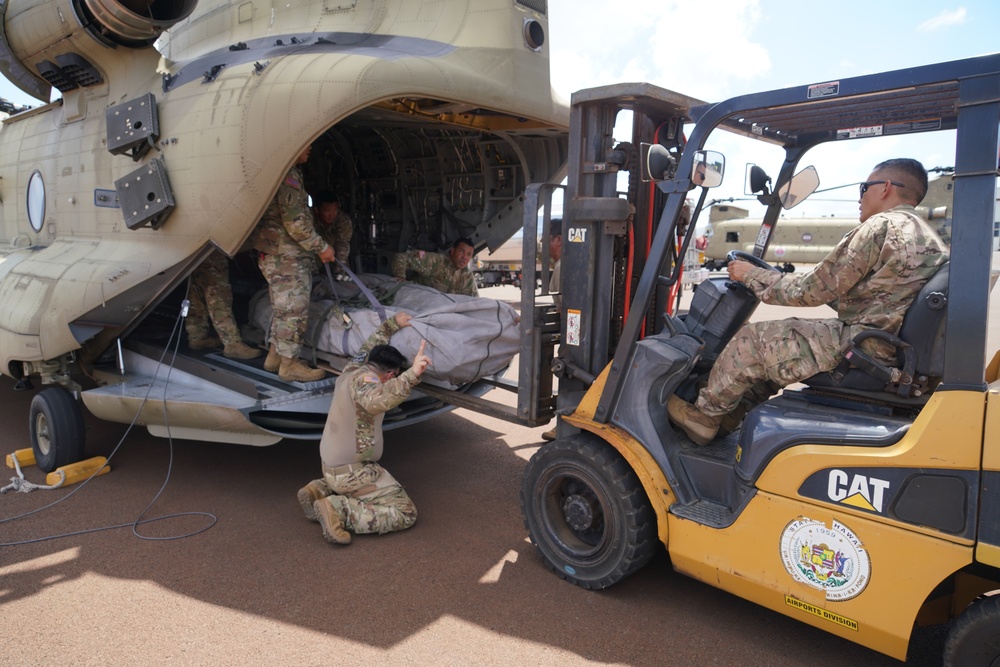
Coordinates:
x,y
136,23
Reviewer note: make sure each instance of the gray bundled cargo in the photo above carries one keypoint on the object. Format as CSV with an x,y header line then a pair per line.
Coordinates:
x,y
468,338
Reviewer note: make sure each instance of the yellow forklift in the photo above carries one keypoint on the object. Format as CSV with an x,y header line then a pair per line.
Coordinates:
x,y
865,504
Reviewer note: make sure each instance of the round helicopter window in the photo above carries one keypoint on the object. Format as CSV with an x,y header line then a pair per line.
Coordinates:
x,y
36,201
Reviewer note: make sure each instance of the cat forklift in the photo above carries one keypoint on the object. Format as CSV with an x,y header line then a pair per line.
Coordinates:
x,y
866,501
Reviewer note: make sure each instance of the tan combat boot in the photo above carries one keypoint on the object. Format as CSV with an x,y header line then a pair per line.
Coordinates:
x,y
329,521
309,494
273,361
701,428
294,370
240,350
209,343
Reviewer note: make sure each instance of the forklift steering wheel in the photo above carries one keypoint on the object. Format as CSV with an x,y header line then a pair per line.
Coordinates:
x,y
734,255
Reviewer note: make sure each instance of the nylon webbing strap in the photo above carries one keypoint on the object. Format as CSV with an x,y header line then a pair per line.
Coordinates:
x,y
361,286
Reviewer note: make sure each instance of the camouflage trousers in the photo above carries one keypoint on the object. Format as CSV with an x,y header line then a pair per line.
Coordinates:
x,y
289,282
779,351
211,298
368,499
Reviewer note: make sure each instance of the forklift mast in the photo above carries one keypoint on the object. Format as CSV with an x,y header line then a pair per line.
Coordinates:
x,y
606,239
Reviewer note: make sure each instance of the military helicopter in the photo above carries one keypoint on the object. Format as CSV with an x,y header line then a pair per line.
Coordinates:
x,y
176,123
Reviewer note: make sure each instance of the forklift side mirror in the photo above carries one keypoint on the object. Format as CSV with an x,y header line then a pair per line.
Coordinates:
x,y
799,187
656,163
709,168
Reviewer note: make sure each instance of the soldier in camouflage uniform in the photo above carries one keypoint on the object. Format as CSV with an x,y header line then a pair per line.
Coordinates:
x,y
288,245
870,278
211,297
356,494
446,273
333,224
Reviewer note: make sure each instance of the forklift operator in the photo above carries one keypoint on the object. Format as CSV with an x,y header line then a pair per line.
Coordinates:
x,y
870,278
700,171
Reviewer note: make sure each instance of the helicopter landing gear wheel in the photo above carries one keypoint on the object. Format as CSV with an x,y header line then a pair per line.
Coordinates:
x,y
56,427
587,513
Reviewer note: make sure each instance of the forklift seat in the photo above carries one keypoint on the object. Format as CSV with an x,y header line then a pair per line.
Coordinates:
x,y
919,345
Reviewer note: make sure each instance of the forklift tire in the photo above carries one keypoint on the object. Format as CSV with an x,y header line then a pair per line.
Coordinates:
x,y
586,512
56,428
972,639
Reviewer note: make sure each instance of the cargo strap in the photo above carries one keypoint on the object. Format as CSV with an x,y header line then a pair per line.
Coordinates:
x,y
379,308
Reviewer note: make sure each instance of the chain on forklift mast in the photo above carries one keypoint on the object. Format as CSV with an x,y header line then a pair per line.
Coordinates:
x,y
864,505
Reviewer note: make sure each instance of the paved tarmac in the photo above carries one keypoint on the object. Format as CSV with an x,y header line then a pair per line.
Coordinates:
x,y
261,586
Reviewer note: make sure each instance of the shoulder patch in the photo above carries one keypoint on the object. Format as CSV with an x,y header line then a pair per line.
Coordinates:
x,y
293,182
421,254
370,377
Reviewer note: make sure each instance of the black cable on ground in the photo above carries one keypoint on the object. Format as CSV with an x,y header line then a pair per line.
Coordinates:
x,y
175,338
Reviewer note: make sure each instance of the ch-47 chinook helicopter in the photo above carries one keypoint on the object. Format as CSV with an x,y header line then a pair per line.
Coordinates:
x,y
177,121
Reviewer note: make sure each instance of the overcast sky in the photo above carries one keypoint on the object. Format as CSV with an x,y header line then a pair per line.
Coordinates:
x,y
717,49
722,48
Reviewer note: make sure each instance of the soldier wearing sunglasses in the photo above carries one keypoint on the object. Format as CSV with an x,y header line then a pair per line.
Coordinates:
x,y
870,278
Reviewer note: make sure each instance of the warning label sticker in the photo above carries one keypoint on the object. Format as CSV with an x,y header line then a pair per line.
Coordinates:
x,y
860,132
573,328
819,90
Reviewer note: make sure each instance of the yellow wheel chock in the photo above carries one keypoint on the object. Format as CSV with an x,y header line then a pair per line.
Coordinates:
x,y
63,475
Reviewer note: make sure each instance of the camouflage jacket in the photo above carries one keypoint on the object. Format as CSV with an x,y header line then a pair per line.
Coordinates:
x,y
870,277
337,234
287,226
435,270
371,396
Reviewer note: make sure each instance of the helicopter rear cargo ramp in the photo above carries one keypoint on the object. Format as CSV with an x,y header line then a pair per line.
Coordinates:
x,y
208,397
